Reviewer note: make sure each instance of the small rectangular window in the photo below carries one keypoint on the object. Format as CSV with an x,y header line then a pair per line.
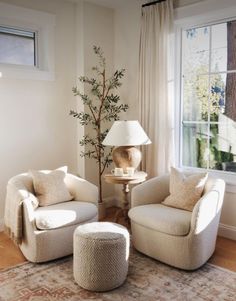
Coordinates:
x,y
17,46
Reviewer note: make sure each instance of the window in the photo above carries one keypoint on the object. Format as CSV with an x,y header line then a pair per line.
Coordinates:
x,y
208,97
17,46
27,41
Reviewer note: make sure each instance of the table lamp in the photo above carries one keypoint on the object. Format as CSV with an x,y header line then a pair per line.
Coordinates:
x,y
125,135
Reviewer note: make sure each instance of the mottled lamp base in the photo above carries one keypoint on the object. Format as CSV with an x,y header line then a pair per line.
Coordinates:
x,y
126,156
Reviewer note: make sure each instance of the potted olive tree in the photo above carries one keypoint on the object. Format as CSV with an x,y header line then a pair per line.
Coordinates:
x,y
101,106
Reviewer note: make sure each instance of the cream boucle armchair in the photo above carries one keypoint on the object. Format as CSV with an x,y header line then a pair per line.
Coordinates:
x,y
46,233
177,237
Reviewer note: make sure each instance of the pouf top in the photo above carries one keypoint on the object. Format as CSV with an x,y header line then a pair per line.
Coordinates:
x,y
102,231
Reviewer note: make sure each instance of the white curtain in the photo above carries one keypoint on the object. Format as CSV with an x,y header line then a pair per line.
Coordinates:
x,y
155,86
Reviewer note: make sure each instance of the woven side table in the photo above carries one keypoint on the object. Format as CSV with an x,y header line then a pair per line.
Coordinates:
x,y
101,252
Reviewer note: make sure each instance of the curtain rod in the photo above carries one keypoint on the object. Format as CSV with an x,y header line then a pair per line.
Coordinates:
x,y
152,3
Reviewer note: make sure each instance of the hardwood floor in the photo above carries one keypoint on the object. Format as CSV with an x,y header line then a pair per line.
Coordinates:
x,y
224,256
10,254
225,253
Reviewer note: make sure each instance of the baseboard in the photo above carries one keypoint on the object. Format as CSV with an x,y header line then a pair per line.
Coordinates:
x,y
110,201
230,187
1,224
227,231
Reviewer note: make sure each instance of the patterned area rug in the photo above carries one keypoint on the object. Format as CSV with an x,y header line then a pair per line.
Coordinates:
x,y
148,280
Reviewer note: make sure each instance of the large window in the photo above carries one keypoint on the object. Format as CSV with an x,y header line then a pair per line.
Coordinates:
x,y
209,97
17,46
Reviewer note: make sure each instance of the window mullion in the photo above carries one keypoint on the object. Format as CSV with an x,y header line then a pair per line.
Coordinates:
x,y
209,99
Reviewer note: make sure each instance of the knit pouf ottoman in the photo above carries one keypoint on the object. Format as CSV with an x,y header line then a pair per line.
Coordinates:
x,y
101,252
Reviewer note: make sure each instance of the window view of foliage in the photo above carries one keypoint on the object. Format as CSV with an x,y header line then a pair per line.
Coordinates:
x,y
209,133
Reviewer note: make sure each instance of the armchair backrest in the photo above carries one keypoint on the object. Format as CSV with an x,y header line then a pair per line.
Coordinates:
x,y
22,181
209,184
156,189
208,209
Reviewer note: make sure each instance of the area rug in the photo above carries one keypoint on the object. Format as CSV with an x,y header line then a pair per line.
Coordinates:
x,y
148,280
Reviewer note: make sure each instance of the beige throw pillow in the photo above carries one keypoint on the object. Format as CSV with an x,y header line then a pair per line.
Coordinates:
x,y
185,191
50,187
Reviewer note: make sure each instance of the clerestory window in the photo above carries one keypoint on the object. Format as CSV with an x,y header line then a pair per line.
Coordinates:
x,y
18,46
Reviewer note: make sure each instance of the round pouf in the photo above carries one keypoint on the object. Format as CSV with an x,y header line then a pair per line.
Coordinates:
x,y
101,252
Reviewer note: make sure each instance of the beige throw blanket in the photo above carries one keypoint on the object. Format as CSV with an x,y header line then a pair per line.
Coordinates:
x,y
17,191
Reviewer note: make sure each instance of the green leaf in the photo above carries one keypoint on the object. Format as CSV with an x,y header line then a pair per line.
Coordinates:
x,y
101,105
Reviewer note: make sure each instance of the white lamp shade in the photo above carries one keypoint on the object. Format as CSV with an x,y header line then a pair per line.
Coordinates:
x,y
125,133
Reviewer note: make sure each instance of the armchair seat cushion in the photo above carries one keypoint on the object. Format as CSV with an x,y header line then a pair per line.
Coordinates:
x,y
64,214
161,218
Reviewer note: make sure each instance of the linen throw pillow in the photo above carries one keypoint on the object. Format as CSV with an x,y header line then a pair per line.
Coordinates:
x,y
185,191
50,187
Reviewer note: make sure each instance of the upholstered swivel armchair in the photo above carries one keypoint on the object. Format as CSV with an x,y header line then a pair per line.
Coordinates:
x,y
46,233
177,237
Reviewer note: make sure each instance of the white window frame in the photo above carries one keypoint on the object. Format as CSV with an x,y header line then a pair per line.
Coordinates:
x,y
43,24
197,15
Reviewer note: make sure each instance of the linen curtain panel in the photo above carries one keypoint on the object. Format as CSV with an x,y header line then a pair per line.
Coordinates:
x,y
155,86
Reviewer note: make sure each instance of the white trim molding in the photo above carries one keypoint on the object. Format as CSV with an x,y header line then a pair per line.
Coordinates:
x,y
230,187
204,12
227,231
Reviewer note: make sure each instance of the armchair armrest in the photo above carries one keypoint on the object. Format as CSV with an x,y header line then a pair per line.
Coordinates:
x,y
208,207
81,189
152,191
17,196
31,203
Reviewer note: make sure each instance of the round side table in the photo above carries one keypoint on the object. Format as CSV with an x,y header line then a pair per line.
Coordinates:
x,y
137,178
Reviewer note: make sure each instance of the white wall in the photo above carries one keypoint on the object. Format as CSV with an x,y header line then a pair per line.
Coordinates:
x,y
36,130
98,31
127,31
126,55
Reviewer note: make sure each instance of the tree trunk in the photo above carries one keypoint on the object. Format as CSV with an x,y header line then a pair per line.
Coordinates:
x,y
230,93
100,181
99,161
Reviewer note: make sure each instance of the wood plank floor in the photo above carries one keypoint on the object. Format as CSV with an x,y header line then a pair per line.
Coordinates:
x,y
10,254
224,256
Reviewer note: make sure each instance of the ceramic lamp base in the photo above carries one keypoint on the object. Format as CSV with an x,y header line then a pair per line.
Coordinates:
x,y
126,156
